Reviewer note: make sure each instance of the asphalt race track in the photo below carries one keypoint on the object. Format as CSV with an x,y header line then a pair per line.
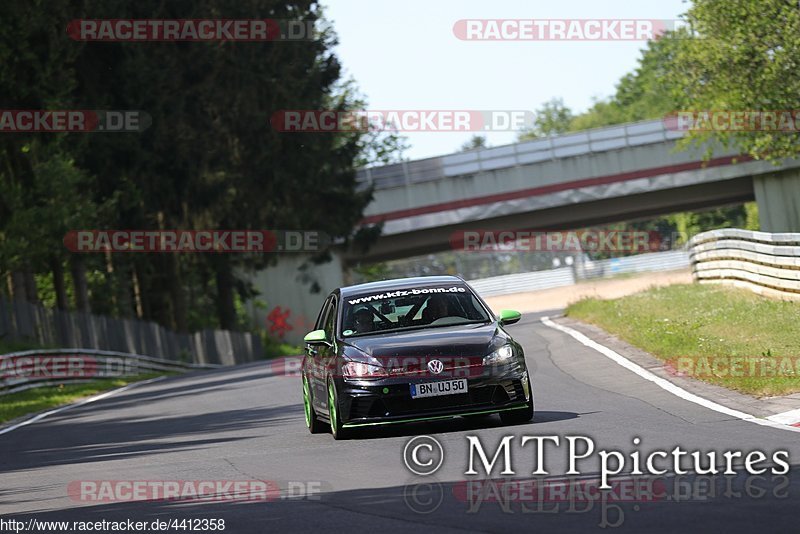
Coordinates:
x,y
246,423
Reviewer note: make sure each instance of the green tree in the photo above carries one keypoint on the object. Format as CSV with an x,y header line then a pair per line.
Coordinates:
x,y
743,57
40,185
552,118
476,141
210,159
651,91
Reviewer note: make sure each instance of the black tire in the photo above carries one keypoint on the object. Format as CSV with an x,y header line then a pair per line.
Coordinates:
x,y
516,417
337,430
315,426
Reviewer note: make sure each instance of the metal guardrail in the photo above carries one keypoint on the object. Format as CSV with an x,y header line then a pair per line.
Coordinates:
x,y
518,283
35,368
640,263
565,276
767,264
524,153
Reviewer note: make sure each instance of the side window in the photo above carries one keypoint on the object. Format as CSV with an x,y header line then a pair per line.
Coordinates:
x,y
330,320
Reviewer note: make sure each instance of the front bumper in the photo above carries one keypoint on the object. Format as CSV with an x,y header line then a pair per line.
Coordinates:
x,y
387,401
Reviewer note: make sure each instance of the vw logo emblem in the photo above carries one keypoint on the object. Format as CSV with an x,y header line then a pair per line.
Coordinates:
x,y
435,366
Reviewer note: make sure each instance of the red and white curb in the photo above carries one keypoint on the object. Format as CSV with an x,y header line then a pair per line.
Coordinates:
x,y
672,388
791,418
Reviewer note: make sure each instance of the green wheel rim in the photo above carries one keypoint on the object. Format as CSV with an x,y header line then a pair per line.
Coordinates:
x,y
332,407
306,403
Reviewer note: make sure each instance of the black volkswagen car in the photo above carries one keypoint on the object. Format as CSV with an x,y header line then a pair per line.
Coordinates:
x,y
412,349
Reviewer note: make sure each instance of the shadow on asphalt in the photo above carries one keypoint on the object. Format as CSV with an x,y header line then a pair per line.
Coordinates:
x,y
688,503
457,424
131,437
198,382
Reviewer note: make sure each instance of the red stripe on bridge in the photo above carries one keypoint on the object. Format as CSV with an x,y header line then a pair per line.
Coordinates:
x,y
553,188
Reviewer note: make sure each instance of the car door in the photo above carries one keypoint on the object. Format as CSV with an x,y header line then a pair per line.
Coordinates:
x,y
315,366
328,354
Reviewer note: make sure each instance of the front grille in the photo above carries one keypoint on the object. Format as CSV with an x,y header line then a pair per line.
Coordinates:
x,y
481,396
454,367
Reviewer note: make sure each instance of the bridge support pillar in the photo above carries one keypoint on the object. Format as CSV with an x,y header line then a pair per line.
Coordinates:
x,y
778,198
293,291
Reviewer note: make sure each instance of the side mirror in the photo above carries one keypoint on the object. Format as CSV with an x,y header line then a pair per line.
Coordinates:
x,y
316,337
508,317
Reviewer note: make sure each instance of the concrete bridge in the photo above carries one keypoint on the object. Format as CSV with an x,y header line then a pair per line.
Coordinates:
x,y
569,181
558,183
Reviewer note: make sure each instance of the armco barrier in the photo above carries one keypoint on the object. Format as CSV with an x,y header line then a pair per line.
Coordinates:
x,y
565,276
640,263
517,283
34,368
768,264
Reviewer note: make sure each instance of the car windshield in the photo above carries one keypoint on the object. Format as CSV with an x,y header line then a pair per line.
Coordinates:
x,y
411,308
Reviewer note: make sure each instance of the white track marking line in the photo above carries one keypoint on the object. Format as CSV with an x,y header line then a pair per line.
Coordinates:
x,y
791,417
662,383
88,400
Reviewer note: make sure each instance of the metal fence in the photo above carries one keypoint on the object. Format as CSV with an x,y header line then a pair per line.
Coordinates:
x,y
23,321
768,264
582,270
34,368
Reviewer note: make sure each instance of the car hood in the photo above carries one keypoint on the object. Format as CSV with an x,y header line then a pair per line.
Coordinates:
x,y
473,340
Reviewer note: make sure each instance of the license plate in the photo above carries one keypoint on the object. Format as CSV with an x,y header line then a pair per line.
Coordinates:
x,y
435,389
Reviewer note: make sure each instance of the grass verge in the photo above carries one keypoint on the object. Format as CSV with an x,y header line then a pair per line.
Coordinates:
x,y
278,349
722,335
35,400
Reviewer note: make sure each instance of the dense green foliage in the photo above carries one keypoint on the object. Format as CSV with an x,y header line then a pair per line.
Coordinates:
x,y
210,159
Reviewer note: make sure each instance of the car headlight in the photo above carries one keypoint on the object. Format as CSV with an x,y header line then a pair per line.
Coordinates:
x,y
502,355
363,370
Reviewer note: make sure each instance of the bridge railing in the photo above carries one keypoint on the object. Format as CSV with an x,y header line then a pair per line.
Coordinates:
x,y
35,368
768,264
524,153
